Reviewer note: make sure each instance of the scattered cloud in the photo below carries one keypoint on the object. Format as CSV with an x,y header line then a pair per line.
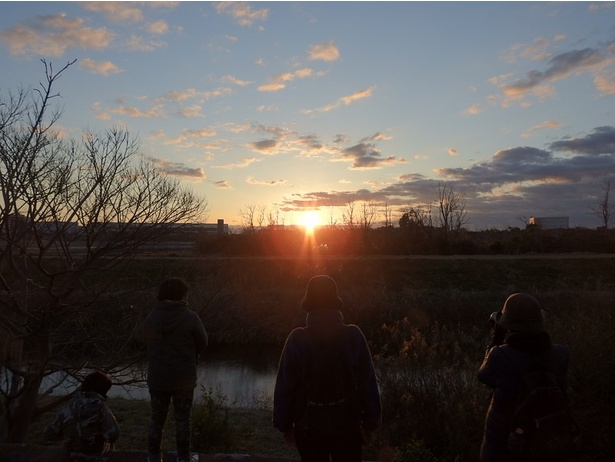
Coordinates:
x,y
344,100
548,124
539,83
158,27
520,181
54,35
235,81
278,82
251,180
242,12
136,43
116,11
324,52
240,164
365,155
105,68
178,169
222,184
605,83
453,152
268,147
475,109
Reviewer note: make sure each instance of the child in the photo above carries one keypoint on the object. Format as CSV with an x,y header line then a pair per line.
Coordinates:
x,y
86,424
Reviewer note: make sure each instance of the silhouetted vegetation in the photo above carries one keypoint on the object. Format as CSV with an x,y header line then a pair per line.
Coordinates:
x,y
408,239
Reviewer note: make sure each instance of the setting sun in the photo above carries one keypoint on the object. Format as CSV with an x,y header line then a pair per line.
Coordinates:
x,y
309,220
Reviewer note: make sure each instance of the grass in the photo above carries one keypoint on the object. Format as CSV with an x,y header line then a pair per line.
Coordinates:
x,y
426,320
250,431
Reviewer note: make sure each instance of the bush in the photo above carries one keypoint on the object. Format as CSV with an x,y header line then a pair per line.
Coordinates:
x,y
211,431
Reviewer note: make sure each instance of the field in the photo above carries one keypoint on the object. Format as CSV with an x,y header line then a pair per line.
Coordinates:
x,y
426,319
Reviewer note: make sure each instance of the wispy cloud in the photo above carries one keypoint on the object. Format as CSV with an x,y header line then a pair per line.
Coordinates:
x,y
539,83
278,82
116,11
251,180
605,83
54,35
222,184
324,52
242,12
240,164
137,43
547,124
178,169
235,81
365,155
344,100
105,68
158,27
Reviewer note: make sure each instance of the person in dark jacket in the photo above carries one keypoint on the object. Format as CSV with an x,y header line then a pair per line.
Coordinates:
x,y
346,343
519,337
175,339
86,424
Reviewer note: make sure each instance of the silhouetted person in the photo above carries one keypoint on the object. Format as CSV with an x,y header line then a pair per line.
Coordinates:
x,y
326,398
175,339
86,424
519,339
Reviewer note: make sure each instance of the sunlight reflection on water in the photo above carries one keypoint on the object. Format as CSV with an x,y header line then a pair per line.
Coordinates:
x,y
245,376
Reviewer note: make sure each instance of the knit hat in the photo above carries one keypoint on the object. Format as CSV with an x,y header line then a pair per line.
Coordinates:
x,y
321,293
521,312
97,382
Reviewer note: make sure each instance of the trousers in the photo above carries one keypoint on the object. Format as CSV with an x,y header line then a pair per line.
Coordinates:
x,y
182,406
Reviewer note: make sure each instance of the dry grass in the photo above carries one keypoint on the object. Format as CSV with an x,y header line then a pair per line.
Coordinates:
x,y
251,430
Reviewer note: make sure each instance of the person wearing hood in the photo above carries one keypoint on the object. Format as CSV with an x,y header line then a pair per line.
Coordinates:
x,y
519,338
326,398
175,339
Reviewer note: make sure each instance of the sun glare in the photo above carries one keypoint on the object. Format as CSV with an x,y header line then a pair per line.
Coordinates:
x,y
309,220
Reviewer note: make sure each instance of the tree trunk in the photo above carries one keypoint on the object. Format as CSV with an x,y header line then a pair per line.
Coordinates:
x,y
21,417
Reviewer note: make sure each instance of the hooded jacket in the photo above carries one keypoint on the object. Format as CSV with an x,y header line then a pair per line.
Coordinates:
x,y
500,371
175,339
293,370
85,424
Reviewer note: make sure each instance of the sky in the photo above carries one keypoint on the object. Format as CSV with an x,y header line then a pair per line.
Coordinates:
x,y
287,107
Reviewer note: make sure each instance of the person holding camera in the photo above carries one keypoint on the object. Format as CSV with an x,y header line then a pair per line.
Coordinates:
x,y
519,340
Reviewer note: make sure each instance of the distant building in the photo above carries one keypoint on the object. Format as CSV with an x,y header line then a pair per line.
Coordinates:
x,y
549,222
208,228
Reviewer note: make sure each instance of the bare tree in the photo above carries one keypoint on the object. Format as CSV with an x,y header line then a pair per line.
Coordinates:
x,y
369,212
603,209
419,215
71,212
451,206
348,215
248,218
387,214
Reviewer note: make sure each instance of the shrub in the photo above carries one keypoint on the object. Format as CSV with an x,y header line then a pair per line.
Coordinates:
x,y
211,431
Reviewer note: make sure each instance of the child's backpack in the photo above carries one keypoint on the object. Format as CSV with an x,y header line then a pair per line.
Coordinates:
x,y
542,427
330,404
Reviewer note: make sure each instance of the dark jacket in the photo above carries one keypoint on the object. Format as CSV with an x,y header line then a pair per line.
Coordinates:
x,y
85,424
175,339
293,370
500,370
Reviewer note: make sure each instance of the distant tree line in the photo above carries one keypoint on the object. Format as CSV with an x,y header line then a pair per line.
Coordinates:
x,y
410,238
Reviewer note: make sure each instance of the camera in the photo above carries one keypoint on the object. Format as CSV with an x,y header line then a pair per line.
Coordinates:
x,y
493,319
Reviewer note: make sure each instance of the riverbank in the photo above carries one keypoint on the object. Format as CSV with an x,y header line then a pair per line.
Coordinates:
x,y
36,453
250,431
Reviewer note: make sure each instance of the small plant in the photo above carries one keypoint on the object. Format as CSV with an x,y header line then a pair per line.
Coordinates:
x,y
211,431
414,451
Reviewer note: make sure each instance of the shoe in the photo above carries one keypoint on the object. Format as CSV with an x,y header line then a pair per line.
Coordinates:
x,y
154,458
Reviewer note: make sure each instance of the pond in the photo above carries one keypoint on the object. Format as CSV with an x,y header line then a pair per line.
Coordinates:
x,y
244,376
